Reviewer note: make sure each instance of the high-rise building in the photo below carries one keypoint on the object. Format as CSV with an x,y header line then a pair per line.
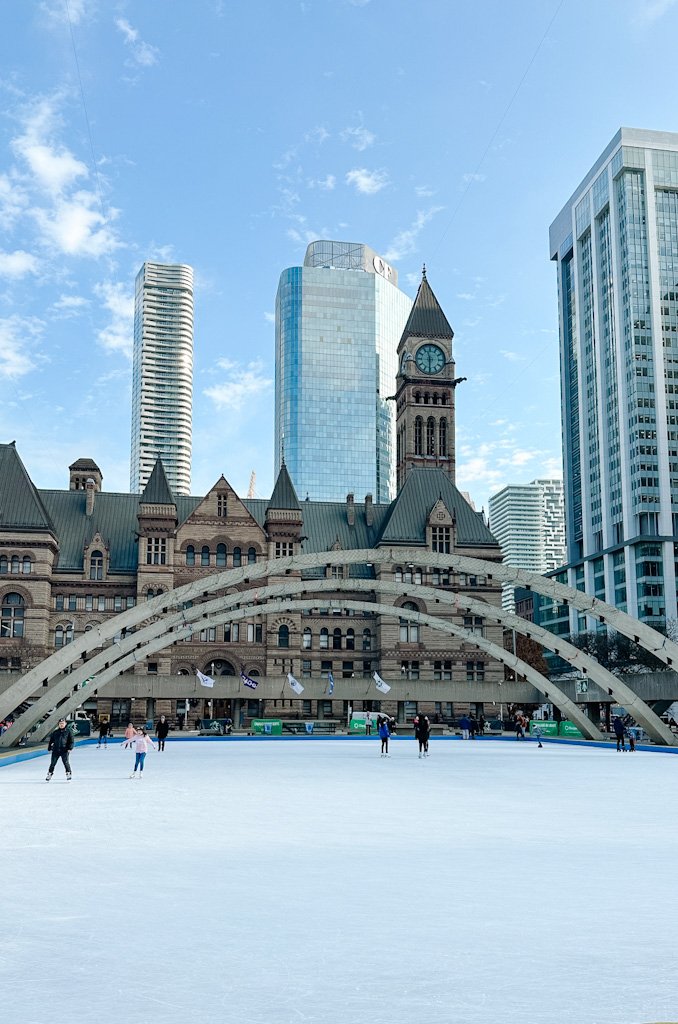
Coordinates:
x,y
162,375
529,523
615,243
339,318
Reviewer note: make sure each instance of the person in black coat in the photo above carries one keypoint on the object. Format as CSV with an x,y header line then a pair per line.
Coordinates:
x,y
618,727
422,731
161,730
60,743
104,729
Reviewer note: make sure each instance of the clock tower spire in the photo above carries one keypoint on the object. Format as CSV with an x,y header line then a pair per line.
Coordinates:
x,y
425,387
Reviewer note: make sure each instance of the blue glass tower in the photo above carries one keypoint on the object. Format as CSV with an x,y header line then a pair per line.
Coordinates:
x,y
339,318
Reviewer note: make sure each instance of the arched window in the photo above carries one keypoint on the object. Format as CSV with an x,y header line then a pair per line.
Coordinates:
x,y
219,668
419,436
237,557
205,555
367,639
63,634
251,555
417,397
15,563
190,555
26,565
221,555
409,631
336,640
3,564
150,594
350,640
307,639
324,639
96,566
398,574
283,636
430,436
442,437
12,616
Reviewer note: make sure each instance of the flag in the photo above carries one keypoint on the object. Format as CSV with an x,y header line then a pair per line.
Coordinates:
x,y
252,683
380,684
330,680
205,680
294,683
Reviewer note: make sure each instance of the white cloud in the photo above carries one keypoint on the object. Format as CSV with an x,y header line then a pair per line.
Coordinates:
x,y
118,300
13,201
513,357
466,296
424,192
142,54
68,306
17,335
653,10
360,138
317,135
367,182
17,264
269,317
468,178
56,10
52,166
242,385
406,241
326,184
76,228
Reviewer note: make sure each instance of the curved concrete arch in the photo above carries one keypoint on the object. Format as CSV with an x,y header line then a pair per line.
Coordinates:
x,y
665,649
560,699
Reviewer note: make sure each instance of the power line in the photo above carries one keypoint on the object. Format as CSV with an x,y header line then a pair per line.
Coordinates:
x,y
84,107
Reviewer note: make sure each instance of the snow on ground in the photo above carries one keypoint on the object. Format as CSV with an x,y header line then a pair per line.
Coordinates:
x,y
272,882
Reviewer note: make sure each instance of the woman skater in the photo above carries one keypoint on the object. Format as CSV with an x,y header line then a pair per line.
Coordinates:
x,y
140,745
422,731
161,730
383,736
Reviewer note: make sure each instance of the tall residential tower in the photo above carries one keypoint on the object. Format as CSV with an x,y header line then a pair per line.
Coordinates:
x,y
616,247
339,318
162,375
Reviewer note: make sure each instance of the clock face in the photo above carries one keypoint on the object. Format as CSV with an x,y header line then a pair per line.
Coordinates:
x,y
430,359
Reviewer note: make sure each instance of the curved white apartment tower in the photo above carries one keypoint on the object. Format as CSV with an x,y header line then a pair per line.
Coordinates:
x,y
162,375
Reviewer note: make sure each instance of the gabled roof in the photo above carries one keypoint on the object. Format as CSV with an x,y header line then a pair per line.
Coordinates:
x,y
426,319
20,503
410,510
157,490
284,495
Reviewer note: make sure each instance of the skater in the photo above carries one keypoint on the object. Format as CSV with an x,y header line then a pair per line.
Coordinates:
x,y
104,729
384,734
368,723
618,727
60,743
464,725
481,725
422,731
520,730
473,726
632,739
130,733
140,745
161,730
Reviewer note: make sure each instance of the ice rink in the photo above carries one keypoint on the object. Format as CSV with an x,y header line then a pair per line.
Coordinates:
x,y
282,882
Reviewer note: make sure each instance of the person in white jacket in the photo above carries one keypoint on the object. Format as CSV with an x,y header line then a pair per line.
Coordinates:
x,y
140,744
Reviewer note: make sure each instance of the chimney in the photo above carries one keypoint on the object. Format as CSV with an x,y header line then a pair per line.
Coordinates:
x,y
369,511
90,487
350,510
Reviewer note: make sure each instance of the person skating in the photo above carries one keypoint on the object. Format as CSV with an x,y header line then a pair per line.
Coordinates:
x,y
161,731
130,733
140,744
384,734
422,731
60,743
104,729
618,727
465,726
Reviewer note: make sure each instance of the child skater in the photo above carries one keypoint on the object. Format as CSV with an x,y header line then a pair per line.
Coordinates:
x,y
383,736
140,744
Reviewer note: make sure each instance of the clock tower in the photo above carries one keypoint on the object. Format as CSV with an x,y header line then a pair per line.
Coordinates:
x,y
425,387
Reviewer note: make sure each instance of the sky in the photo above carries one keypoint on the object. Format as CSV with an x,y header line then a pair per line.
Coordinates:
x,y
227,135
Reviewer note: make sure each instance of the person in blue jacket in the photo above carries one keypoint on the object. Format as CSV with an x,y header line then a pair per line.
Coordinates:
x,y
384,734
618,727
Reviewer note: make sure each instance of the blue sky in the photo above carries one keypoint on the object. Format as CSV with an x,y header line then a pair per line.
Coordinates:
x,y
227,135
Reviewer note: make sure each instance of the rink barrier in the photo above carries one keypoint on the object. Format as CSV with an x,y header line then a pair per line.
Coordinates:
x,y
28,755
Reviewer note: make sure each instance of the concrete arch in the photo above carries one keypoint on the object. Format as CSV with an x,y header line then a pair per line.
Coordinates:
x,y
108,674
247,575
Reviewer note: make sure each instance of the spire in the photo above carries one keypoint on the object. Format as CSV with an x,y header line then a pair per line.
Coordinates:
x,y
157,491
284,495
426,319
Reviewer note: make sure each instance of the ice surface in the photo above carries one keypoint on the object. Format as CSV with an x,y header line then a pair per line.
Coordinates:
x,y
271,882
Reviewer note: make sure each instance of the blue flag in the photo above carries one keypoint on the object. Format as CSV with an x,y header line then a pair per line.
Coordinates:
x,y
248,681
330,680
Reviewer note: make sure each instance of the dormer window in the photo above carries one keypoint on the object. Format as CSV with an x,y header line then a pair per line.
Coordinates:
x,y
441,539
96,565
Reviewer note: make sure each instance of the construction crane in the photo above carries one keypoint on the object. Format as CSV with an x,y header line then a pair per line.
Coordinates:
x,y
253,480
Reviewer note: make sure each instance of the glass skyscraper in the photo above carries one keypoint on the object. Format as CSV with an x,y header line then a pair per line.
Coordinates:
x,y
162,375
339,319
616,247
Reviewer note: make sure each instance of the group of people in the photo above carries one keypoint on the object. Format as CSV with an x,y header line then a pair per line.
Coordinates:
x,y
386,727
60,744
621,731
470,726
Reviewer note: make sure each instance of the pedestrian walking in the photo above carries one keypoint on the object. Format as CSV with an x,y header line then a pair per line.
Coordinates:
x,y
104,729
368,723
61,744
140,745
161,731
384,734
464,725
618,727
